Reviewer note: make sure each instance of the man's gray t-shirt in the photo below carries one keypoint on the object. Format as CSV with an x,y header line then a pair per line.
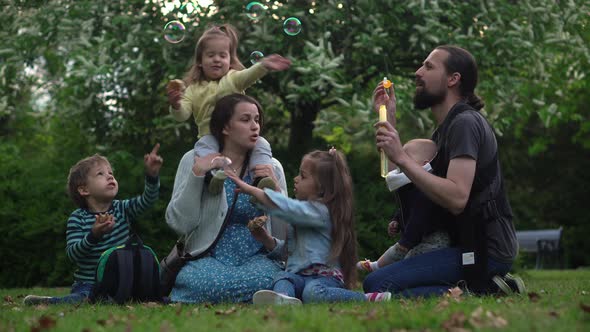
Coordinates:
x,y
469,135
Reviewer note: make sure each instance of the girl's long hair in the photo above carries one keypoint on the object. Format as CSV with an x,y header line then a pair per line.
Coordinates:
x,y
331,173
195,72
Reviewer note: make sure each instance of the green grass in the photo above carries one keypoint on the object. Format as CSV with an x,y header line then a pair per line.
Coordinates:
x,y
557,301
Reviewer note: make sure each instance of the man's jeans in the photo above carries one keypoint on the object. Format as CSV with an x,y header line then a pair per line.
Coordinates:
x,y
429,274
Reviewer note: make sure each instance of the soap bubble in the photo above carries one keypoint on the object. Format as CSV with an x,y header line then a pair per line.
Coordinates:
x,y
292,26
174,32
255,10
256,56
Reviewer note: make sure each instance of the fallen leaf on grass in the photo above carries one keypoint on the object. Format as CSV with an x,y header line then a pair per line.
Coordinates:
x,y
442,305
165,326
584,292
455,323
454,293
8,299
484,318
151,304
41,307
534,297
44,323
371,314
584,307
269,314
226,312
17,309
554,314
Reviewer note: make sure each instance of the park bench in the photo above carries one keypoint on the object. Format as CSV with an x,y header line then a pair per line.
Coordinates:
x,y
545,243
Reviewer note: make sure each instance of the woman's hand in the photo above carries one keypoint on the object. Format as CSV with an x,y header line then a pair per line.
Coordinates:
x,y
203,164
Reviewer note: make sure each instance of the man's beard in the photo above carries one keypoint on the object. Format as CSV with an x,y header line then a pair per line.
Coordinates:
x,y
424,99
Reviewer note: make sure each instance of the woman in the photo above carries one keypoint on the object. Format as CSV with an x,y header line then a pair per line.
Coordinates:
x,y
237,265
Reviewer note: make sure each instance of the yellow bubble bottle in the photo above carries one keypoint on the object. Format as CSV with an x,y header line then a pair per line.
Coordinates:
x,y
382,118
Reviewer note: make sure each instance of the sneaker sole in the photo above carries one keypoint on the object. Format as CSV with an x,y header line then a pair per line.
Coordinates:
x,y
519,283
502,285
267,297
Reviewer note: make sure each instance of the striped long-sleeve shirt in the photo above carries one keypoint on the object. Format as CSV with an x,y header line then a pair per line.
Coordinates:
x,y
84,249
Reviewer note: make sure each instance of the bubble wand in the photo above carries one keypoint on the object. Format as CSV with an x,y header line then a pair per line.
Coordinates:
x,y
383,118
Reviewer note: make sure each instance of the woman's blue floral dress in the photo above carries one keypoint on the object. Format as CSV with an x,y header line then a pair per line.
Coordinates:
x,y
237,266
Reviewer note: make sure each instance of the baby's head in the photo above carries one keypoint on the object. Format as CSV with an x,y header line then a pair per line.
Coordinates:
x,y
91,177
421,150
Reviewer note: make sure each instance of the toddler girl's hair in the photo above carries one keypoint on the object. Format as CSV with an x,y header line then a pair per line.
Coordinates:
x,y
195,73
331,173
78,176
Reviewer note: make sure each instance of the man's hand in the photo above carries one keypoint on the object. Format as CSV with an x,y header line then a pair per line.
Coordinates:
x,y
153,162
393,228
104,224
382,96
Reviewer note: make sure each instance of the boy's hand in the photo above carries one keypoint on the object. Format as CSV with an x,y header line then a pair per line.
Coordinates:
x,y
104,224
276,62
153,162
393,228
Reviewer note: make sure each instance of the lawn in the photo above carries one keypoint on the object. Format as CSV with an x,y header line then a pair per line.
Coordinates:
x,y
556,301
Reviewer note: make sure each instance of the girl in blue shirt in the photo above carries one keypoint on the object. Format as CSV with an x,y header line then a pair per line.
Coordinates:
x,y
321,240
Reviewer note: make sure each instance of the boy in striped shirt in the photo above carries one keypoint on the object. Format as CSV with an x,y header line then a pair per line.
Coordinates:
x,y
101,221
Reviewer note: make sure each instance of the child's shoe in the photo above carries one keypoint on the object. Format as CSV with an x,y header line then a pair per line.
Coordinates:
x,y
270,297
265,182
216,183
365,265
36,299
378,297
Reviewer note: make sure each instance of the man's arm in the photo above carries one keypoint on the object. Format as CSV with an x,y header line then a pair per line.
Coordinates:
x,y
451,192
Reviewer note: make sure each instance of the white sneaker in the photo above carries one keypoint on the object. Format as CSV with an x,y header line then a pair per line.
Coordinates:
x,y
270,297
36,299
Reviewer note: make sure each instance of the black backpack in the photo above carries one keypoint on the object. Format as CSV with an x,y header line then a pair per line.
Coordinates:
x,y
129,272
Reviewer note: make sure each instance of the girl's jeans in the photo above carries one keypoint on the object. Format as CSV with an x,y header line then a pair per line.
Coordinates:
x,y
314,289
80,293
432,273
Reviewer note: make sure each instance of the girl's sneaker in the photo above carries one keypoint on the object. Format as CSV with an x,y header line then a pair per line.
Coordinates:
x,y
364,265
378,297
270,297
36,299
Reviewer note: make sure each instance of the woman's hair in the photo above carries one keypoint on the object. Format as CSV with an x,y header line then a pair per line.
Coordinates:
x,y
462,62
78,176
330,171
224,110
195,72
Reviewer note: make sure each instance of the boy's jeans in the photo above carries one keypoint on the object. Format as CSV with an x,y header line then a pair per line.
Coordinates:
x,y
432,273
314,289
80,292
